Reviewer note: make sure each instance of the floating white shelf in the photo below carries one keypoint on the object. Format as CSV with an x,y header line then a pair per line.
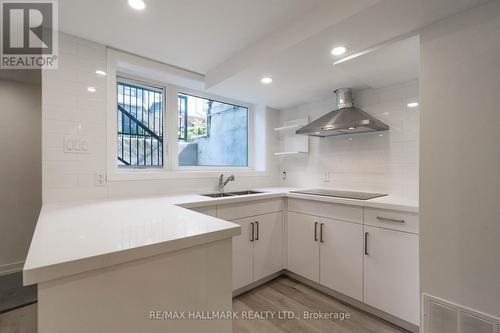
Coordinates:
x,y
282,153
292,143
287,128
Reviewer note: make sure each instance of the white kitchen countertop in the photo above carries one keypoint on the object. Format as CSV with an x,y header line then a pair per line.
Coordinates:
x,y
387,202
72,238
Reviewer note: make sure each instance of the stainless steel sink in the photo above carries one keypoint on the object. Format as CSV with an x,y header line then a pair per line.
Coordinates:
x,y
217,195
243,193
230,194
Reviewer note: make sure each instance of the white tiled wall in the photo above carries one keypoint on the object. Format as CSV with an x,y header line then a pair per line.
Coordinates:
x,y
381,161
367,162
69,109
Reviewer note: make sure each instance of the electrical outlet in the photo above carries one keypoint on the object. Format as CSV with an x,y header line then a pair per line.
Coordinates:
x,y
326,177
100,179
283,175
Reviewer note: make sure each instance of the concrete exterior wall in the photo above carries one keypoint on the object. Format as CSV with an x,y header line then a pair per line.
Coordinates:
x,y
227,139
460,159
188,154
20,170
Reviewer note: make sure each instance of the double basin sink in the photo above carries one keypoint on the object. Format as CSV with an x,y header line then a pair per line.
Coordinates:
x,y
230,194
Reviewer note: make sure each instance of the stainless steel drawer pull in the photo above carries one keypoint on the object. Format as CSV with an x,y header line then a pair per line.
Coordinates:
x,y
321,233
252,237
315,231
381,218
366,243
257,225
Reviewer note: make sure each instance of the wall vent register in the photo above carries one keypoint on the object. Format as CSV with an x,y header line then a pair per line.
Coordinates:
x,y
444,316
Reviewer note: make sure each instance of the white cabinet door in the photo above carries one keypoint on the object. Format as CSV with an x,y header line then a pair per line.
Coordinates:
x,y
341,257
302,245
268,245
243,254
391,281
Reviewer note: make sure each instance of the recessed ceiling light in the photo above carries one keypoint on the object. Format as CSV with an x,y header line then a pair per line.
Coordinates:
x,y
266,80
100,73
412,105
352,127
137,4
91,89
339,50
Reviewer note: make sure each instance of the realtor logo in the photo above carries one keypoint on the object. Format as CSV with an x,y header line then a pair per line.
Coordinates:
x,y
29,34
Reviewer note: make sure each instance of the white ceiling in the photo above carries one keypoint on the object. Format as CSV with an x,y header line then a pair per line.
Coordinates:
x,y
236,42
192,34
304,72
394,63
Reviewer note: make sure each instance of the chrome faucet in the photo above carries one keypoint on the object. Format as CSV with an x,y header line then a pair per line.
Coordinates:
x,y
222,182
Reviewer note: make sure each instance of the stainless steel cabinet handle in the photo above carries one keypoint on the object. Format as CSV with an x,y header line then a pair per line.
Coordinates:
x,y
252,232
316,231
366,243
321,232
381,218
257,233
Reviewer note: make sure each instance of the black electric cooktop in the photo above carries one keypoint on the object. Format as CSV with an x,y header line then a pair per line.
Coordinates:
x,y
342,194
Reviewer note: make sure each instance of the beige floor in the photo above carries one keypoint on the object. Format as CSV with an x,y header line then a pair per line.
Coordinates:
x,y
281,294
22,320
286,294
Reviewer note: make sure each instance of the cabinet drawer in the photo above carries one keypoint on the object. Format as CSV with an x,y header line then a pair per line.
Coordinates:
x,y
249,208
326,209
392,219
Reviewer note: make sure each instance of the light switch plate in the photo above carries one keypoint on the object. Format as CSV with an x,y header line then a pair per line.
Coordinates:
x,y
76,144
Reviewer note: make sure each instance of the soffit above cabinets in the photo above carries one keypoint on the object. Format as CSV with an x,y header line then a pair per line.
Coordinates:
x,y
304,72
234,43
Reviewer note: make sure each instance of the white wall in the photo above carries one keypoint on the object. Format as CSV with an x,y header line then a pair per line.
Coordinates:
x,y
69,109
460,159
20,170
380,161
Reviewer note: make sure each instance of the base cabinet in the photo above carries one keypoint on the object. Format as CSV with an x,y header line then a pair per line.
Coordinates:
x,y
326,251
302,245
268,247
243,254
341,257
258,251
391,281
368,254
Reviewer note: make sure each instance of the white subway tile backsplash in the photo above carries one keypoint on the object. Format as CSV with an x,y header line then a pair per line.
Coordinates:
x,y
62,127
60,181
57,154
382,161
68,108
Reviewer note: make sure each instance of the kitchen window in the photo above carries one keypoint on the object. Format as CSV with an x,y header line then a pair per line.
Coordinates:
x,y
159,130
211,133
139,125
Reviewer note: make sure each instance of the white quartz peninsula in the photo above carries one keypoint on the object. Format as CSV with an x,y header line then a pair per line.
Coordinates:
x,y
106,266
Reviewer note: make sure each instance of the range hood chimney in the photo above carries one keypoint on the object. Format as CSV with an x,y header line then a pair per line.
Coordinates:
x,y
346,119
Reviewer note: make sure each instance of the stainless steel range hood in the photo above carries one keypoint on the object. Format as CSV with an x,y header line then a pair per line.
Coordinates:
x,y
347,119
